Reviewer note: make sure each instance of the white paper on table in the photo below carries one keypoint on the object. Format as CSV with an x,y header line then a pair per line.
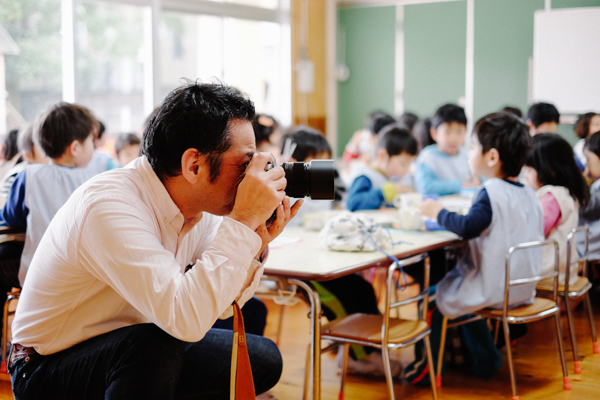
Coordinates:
x,y
281,242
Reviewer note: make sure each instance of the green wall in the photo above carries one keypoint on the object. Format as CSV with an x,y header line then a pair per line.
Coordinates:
x,y
435,48
370,55
434,58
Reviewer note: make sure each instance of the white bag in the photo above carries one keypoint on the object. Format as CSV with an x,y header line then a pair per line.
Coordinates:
x,y
353,232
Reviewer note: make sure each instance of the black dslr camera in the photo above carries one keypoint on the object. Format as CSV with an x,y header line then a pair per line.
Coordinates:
x,y
314,179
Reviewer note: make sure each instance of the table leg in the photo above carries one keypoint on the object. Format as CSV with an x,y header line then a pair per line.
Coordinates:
x,y
315,320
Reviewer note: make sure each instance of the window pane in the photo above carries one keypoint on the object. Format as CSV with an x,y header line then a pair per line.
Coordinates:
x,y
109,63
272,4
33,77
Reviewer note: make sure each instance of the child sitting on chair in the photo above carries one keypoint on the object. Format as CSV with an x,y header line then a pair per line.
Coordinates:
x,y
373,186
504,214
66,134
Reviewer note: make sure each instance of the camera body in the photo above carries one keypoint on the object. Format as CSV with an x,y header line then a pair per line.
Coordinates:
x,y
314,179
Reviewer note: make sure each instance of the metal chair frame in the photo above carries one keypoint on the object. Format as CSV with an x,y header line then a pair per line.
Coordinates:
x,y
567,294
506,319
385,345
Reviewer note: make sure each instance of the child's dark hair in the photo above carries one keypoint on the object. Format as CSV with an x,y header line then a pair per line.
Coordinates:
x,y
582,125
592,143
10,147
309,142
379,120
408,121
507,134
514,111
540,113
126,139
553,159
101,130
447,114
422,132
62,124
397,140
264,126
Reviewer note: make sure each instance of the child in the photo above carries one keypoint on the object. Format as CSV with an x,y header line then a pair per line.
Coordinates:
x,y
542,118
504,213
585,125
31,154
66,134
101,162
372,186
552,172
266,133
127,148
442,168
362,146
590,215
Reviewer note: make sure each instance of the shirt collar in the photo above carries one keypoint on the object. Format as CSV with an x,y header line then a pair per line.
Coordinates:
x,y
167,208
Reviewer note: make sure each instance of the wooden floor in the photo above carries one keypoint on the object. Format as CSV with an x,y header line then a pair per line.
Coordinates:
x,y
536,362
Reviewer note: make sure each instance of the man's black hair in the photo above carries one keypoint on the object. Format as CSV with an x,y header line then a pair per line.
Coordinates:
x,y
513,110
592,143
540,113
507,134
194,116
553,159
447,114
10,148
397,140
378,121
63,124
309,142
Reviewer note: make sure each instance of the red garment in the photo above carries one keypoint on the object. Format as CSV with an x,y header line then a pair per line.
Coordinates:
x,y
552,215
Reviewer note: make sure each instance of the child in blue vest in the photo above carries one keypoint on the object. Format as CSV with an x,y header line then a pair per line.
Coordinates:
x,y
442,168
504,214
66,134
376,185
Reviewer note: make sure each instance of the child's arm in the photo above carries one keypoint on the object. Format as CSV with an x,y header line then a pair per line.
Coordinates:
x,y
429,183
363,196
15,211
467,226
551,211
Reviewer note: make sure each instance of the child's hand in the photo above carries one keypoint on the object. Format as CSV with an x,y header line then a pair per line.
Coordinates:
x,y
402,188
430,208
471,182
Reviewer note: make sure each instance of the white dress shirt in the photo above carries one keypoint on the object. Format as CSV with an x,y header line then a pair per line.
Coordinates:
x,y
115,256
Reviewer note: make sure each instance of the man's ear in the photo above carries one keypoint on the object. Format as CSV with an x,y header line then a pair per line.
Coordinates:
x,y
433,133
193,165
493,157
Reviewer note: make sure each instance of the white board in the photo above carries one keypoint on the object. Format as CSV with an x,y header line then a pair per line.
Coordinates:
x,y
566,59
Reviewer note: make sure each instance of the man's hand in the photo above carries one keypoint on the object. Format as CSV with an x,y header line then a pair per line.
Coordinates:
x,y
284,215
430,208
259,193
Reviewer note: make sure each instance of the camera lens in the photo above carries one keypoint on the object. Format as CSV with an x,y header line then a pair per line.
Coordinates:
x,y
314,179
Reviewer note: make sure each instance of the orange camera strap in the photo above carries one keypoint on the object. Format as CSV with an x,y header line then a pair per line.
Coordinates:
x,y
242,384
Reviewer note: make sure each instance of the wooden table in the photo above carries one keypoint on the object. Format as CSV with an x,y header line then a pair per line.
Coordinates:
x,y
299,257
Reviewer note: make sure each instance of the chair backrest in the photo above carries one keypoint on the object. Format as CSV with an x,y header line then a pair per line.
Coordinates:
x,y
391,286
571,241
530,280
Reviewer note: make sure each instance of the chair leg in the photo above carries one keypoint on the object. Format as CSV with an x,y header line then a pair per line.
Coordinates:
x,y
438,378
588,305
511,367
3,364
346,350
430,363
561,350
388,372
306,393
572,334
280,324
496,331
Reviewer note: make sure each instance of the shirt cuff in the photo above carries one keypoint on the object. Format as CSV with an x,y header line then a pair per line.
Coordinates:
x,y
389,191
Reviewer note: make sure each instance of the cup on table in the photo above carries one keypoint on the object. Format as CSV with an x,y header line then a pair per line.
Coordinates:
x,y
408,210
